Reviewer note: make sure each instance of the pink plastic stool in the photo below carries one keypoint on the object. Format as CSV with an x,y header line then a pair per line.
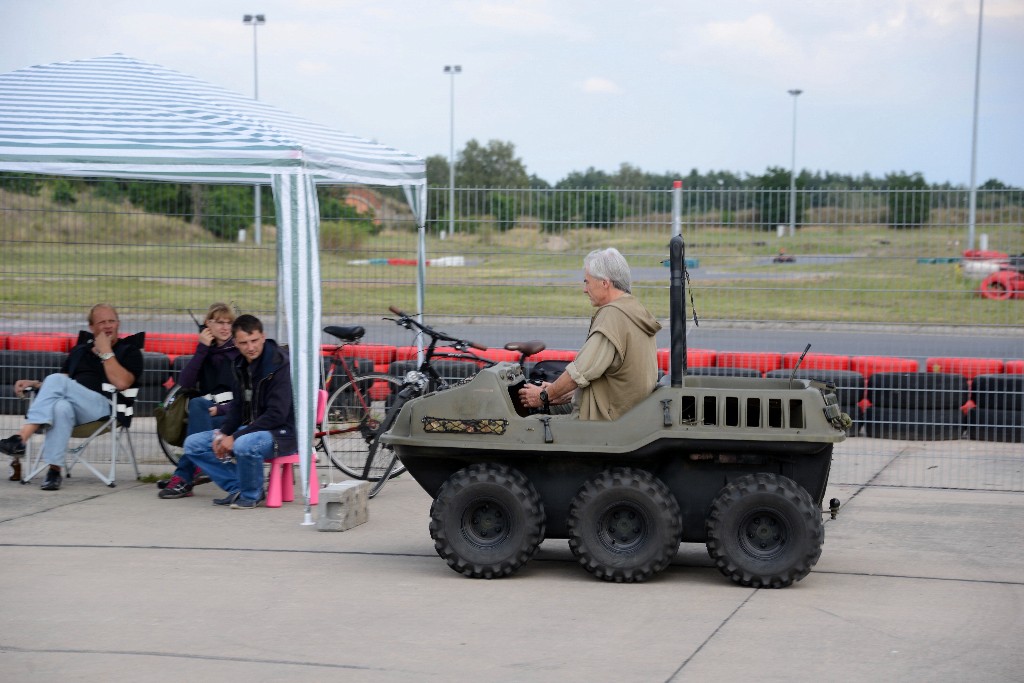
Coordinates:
x,y
281,486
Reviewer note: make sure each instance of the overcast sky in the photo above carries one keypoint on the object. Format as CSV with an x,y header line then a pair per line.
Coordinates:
x,y
663,85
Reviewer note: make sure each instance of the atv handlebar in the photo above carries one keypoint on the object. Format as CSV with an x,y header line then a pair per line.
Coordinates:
x,y
409,323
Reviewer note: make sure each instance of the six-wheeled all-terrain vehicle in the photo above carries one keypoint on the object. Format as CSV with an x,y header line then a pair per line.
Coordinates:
x,y
740,464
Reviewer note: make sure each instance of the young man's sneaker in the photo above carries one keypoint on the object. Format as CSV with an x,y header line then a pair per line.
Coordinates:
x,y
176,488
246,504
13,445
53,480
228,499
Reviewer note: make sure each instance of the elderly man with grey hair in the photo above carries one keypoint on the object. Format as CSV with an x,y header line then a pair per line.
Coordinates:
x,y
618,364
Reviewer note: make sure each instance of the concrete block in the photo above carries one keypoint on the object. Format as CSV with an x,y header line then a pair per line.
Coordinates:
x,y
343,505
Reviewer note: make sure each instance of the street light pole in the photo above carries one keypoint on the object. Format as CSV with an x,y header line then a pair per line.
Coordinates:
x,y
451,71
973,206
256,20
792,173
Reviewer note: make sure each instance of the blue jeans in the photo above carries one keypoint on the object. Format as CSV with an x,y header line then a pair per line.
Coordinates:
x,y
199,420
62,403
245,475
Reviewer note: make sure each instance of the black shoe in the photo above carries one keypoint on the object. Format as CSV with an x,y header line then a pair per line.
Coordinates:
x,y
201,479
53,480
176,488
228,499
13,445
246,504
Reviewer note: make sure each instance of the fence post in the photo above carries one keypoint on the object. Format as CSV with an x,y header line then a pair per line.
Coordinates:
x,y
677,207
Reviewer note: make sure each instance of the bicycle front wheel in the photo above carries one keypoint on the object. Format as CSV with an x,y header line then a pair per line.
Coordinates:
x,y
352,421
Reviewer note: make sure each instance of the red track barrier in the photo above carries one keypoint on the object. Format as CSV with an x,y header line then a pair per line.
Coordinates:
x,y
498,355
378,353
695,358
869,365
42,341
760,361
968,367
553,354
405,353
816,361
171,344
1015,367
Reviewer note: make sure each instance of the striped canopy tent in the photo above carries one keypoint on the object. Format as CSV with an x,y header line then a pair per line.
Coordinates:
x,y
120,117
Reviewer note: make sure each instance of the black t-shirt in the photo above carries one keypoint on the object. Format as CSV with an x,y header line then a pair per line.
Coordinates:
x,y
88,370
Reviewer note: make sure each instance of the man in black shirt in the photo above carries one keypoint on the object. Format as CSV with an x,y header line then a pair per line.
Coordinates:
x,y
74,395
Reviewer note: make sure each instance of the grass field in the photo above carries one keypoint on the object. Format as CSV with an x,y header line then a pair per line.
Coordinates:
x,y
58,257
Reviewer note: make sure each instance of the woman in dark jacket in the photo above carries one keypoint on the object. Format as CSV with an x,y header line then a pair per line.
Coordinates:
x,y
210,372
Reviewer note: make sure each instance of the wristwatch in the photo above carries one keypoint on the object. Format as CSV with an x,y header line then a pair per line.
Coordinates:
x,y
105,356
544,399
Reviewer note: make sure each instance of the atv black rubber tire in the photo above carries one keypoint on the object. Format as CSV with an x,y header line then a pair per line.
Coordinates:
x,y
764,531
624,525
487,521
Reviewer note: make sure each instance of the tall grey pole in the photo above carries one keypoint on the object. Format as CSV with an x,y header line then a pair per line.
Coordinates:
x,y
256,20
973,210
792,172
451,71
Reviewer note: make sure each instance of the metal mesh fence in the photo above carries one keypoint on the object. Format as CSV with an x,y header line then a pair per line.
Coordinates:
x,y
872,278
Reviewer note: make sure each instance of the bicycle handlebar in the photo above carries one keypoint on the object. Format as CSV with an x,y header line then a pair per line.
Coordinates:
x,y
408,322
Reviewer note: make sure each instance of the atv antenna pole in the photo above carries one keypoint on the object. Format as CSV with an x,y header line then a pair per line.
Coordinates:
x,y
799,360
192,315
677,308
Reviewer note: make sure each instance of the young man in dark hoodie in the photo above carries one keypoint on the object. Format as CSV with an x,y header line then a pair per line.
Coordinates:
x,y
210,371
260,423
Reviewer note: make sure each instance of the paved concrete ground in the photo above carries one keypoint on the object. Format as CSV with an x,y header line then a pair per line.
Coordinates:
x,y
114,584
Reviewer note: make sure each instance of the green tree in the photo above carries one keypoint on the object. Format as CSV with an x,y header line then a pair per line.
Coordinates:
x,y
504,210
495,166
907,199
22,183
774,198
601,209
63,192
228,209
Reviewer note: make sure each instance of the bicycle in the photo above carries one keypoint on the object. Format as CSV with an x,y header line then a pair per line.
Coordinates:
x,y
354,410
382,463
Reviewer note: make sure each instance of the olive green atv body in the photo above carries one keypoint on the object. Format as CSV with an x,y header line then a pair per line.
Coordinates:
x,y
740,464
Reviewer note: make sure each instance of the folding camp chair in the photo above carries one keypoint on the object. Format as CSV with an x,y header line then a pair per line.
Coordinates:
x,y
117,424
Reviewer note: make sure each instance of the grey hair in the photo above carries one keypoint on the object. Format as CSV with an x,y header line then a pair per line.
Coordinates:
x,y
609,264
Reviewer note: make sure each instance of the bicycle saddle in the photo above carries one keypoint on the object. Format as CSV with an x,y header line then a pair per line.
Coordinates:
x,y
527,348
349,333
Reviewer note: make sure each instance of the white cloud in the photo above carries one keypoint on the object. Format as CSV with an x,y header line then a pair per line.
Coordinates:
x,y
595,85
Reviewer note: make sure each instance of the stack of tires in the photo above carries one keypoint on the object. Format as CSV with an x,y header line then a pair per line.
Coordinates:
x,y
915,406
998,414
